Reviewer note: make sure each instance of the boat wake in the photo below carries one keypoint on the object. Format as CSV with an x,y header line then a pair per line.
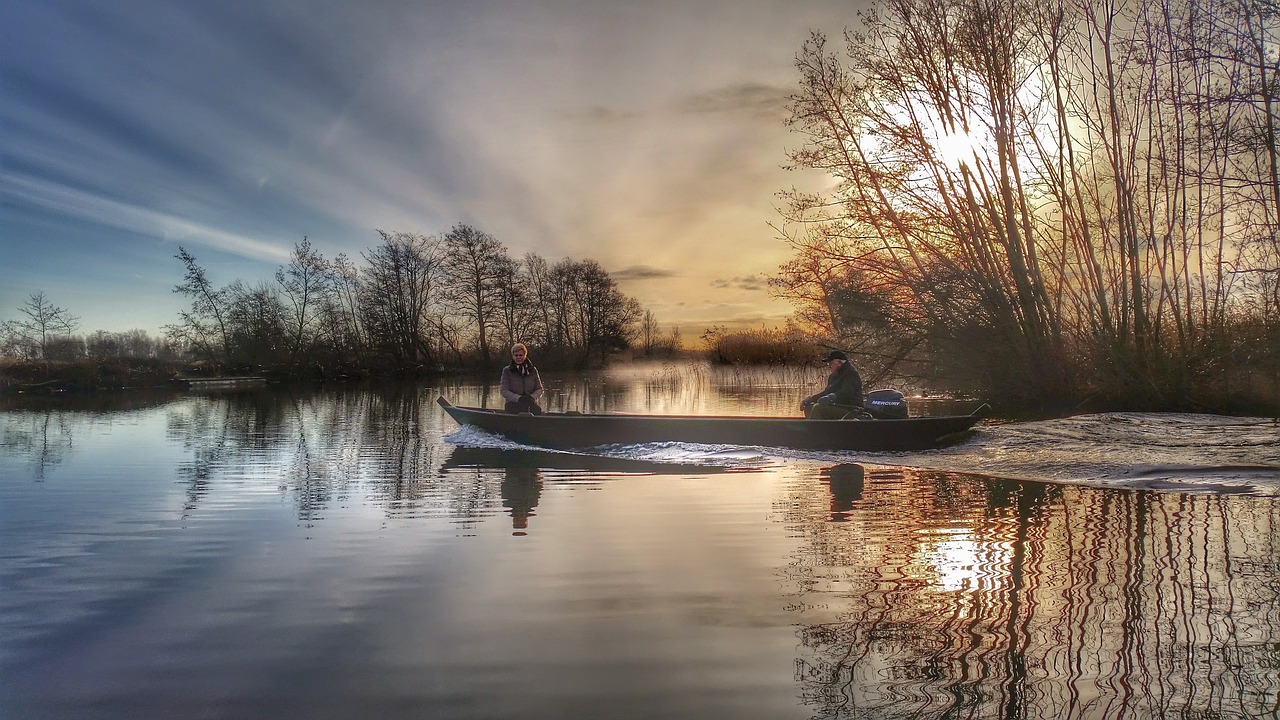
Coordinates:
x,y
673,453
1153,451
1150,451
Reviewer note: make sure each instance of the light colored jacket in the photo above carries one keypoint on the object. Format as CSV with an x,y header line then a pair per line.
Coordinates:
x,y
514,384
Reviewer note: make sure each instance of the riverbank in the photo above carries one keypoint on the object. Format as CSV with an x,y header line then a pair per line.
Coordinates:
x,y
1256,397
111,374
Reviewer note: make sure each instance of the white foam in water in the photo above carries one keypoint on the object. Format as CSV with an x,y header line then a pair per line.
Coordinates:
x,y
688,453
1157,451
468,436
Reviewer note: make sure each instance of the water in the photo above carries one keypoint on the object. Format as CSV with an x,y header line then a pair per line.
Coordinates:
x,y
351,552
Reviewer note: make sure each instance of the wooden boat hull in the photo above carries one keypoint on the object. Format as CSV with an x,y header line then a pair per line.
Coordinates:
x,y
573,430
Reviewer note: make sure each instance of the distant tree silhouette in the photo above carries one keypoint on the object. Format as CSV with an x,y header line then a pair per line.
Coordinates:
x,y
42,323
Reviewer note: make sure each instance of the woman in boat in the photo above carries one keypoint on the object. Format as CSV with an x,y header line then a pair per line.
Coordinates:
x,y
842,395
521,384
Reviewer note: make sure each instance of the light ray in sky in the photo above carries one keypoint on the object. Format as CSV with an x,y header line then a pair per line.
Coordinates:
x,y
646,136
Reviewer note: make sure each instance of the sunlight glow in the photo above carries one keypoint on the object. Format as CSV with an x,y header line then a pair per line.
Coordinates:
x,y
955,149
957,562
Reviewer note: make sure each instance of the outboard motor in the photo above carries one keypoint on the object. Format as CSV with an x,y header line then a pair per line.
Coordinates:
x,y
886,404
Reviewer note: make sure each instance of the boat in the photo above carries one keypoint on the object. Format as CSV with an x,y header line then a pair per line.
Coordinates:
x,y
575,430
221,383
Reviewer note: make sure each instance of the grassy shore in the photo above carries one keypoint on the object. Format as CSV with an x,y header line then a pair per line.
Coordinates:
x,y
88,375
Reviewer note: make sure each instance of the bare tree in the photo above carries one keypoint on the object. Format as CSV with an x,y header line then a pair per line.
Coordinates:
x,y
1074,181
205,326
537,273
259,324
400,294
305,281
648,332
341,328
477,268
597,318
517,312
41,324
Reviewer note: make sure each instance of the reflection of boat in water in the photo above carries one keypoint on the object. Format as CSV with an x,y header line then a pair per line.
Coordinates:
x,y
523,471
578,430
510,458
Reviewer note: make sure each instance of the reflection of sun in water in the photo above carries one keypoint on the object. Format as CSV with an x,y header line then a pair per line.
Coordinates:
x,y
958,562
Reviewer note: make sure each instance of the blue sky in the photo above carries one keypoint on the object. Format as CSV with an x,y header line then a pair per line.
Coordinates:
x,y
647,135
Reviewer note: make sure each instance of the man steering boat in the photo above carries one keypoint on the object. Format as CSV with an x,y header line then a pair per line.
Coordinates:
x,y
841,397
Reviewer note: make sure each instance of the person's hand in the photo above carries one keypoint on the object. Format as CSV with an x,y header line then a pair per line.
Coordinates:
x,y
804,405
828,399
525,399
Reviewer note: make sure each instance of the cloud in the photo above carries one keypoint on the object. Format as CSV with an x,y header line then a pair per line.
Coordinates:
x,y
754,99
96,209
752,283
602,115
642,272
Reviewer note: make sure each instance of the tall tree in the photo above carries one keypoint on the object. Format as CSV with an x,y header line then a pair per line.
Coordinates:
x,y
205,326
259,324
598,319
1079,182
517,312
648,332
400,293
477,268
304,281
341,328
547,308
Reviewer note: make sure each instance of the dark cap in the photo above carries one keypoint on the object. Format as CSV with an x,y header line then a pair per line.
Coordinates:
x,y
835,355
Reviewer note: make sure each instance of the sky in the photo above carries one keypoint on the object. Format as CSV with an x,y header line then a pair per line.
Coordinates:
x,y
647,135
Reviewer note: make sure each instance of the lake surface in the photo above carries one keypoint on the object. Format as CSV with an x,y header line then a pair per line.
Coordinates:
x,y
350,552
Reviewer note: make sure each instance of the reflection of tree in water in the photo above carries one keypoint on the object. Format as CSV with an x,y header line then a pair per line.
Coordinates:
x,y
936,595
41,428
317,447
43,438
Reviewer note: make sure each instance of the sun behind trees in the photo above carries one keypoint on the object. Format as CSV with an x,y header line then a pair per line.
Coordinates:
x,y
418,303
1061,201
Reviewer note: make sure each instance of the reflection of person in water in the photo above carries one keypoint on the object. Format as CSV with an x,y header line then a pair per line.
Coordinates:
x,y
521,489
845,482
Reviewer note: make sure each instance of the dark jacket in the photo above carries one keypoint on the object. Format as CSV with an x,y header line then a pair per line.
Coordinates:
x,y
518,380
845,383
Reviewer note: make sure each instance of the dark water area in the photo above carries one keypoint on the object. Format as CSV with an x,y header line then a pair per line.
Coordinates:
x,y
350,552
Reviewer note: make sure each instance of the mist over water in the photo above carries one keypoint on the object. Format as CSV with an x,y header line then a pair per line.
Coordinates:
x,y
351,552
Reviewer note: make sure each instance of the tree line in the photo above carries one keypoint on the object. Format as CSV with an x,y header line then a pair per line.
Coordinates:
x,y
415,303
1063,199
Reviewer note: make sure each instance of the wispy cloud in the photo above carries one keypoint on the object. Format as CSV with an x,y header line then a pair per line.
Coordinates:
x,y
741,99
641,272
742,282
94,209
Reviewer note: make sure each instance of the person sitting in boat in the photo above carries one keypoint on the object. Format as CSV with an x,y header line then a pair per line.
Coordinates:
x,y
842,397
521,384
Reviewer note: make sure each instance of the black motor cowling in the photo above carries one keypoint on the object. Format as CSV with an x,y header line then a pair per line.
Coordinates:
x,y
886,404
